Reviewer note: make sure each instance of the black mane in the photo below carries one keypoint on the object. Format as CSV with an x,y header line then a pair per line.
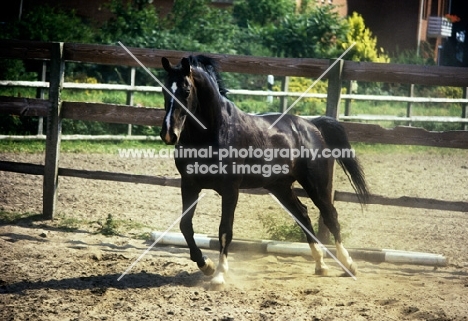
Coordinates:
x,y
210,65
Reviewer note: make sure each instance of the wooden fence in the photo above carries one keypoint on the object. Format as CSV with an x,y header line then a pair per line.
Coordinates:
x,y
55,110
132,89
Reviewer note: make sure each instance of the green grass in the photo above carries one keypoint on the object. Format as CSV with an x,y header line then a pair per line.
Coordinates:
x,y
281,230
24,92
29,146
68,224
18,218
82,146
110,226
112,147
61,222
400,109
146,99
113,97
106,147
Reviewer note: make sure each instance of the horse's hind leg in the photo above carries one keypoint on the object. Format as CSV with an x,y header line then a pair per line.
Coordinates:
x,y
189,197
287,197
320,193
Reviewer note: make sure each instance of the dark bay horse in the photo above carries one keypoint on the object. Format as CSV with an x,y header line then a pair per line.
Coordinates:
x,y
254,156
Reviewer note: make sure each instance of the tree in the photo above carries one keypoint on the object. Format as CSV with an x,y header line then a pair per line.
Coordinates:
x,y
46,23
195,25
315,33
261,12
366,44
135,24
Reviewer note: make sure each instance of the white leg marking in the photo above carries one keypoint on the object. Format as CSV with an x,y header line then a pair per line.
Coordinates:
x,y
320,267
343,256
223,266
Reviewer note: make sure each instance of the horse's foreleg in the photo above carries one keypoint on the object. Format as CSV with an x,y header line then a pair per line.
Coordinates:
x,y
320,267
189,197
229,203
223,267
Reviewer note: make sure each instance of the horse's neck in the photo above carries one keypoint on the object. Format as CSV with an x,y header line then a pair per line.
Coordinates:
x,y
219,118
216,112
208,112
211,102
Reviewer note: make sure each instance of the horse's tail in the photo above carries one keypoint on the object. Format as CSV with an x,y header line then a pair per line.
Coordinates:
x,y
335,137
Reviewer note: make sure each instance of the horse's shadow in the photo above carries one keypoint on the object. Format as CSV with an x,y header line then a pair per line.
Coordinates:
x,y
98,284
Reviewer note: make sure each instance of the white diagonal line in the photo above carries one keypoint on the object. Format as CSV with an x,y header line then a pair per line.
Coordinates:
x,y
160,237
311,86
160,83
315,238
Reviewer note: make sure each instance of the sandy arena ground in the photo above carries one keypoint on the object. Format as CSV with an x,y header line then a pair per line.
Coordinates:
x,y
48,272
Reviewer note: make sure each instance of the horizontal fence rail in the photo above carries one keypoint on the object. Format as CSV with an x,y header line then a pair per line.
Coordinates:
x,y
82,137
301,67
413,202
365,133
265,93
412,119
55,110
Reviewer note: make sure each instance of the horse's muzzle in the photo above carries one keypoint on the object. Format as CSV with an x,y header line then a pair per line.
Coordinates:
x,y
168,137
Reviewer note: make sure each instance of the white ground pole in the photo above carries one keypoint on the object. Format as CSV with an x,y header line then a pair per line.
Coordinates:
x,y
160,237
302,249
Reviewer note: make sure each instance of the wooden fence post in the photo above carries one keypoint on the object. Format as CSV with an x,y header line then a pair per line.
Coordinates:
x,y
284,99
334,89
333,107
54,131
41,95
409,105
349,91
130,95
465,108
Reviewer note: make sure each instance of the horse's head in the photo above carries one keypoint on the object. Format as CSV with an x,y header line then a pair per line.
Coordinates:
x,y
179,101
182,98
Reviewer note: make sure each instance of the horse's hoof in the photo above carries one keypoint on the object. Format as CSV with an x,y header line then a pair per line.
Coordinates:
x,y
208,268
321,272
216,287
353,269
351,272
217,282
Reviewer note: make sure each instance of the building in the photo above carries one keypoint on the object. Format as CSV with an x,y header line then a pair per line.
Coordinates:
x,y
401,25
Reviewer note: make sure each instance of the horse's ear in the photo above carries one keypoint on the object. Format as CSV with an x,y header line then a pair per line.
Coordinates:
x,y
186,67
166,64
